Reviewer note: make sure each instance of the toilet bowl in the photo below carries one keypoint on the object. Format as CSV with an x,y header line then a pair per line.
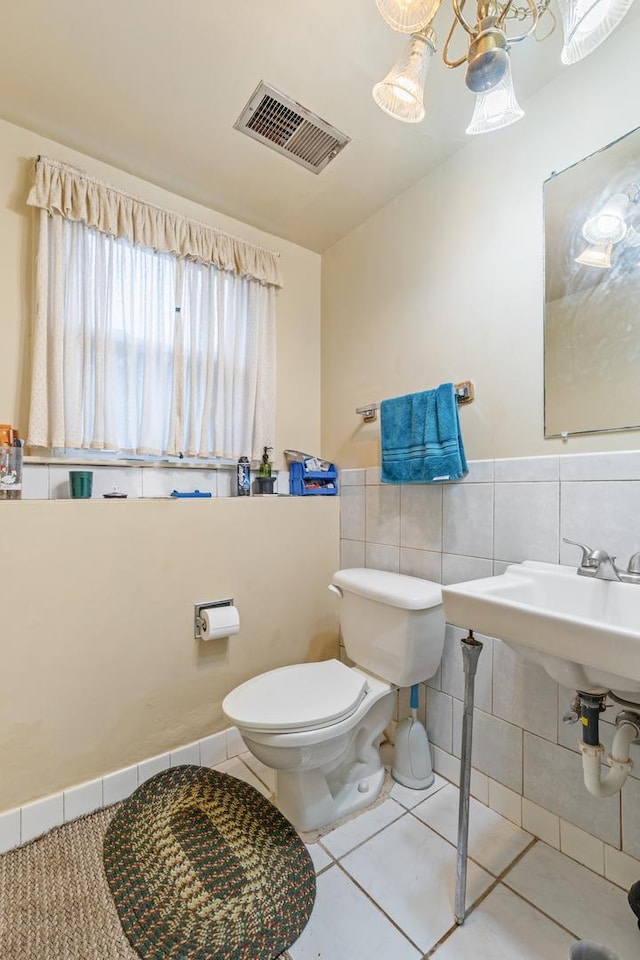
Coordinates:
x,y
319,725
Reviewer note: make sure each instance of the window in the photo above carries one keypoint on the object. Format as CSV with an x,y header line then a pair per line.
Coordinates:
x,y
141,349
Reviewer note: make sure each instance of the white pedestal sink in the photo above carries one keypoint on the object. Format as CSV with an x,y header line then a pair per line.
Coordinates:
x,y
585,632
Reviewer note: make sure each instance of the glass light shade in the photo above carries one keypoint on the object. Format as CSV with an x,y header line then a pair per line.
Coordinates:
x,y
401,93
609,225
586,23
408,16
596,255
496,108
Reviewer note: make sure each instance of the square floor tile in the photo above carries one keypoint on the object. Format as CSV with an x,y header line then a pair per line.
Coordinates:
x,y
345,925
410,798
410,872
504,927
580,900
494,842
236,768
320,857
352,833
261,770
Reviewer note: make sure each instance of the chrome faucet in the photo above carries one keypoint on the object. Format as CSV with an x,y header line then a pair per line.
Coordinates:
x,y
598,564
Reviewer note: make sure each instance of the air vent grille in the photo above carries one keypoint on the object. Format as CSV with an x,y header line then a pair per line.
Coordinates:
x,y
282,124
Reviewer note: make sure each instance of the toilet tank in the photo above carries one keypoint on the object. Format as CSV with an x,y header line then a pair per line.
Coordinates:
x,y
392,625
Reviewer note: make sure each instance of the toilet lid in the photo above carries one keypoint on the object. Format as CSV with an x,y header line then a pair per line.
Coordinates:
x,y
301,697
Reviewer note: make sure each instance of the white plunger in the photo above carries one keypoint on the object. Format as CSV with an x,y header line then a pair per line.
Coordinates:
x,y
412,757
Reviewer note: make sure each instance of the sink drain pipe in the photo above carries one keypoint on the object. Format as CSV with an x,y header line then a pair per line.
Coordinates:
x,y
620,764
471,650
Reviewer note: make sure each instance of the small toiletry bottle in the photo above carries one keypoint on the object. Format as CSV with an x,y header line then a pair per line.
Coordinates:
x,y
243,477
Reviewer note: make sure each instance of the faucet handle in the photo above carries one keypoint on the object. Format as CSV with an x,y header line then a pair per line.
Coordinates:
x,y
634,563
588,560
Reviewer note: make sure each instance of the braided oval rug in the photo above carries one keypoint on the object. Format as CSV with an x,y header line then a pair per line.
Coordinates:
x,y
202,867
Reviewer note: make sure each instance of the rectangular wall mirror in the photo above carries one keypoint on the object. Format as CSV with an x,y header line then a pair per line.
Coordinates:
x,y
592,293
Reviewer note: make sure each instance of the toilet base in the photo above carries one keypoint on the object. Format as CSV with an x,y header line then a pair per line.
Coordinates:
x,y
308,803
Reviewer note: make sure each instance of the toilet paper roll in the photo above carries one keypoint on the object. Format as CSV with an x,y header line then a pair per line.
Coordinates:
x,y
219,622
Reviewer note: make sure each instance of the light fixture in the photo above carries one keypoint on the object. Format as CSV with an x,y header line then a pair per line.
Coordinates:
x,y
596,255
496,108
408,16
401,93
490,37
609,225
586,23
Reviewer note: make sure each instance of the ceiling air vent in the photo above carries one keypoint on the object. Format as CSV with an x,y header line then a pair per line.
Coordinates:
x,y
282,124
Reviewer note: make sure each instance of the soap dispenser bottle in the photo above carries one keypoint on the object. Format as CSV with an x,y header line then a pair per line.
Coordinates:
x,y
265,481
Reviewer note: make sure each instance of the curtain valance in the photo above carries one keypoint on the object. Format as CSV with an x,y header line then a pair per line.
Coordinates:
x,y
62,189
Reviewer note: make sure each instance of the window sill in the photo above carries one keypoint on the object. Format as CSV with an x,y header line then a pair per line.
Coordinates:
x,y
144,464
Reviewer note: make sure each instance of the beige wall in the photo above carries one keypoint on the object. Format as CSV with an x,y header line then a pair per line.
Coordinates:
x,y
446,282
100,667
298,309
99,663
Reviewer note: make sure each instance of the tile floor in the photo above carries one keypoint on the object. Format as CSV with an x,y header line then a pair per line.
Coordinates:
x,y
386,882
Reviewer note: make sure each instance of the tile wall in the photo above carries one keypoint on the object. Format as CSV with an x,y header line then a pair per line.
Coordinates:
x,y
42,481
525,759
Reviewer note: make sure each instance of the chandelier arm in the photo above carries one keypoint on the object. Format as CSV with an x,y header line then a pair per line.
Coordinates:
x,y
535,16
457,9
452,64
504,12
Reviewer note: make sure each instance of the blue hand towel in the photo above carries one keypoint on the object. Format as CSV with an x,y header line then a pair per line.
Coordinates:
x,y
421,439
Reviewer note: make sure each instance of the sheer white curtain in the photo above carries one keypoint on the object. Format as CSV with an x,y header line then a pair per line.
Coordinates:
x,y
141,352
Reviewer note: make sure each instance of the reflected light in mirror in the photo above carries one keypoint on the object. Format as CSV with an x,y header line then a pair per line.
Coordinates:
x,y
609,225
596,255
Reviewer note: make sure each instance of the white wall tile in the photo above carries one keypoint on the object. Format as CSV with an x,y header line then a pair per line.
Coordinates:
x,y
351,554
190,753
41,816
505,802
446,764
349,478
226,481
468,519
149,768
620,868
421,516
372,475
457,569
581,846
480,471
554,780
541,823
526,521
235,743
527,469
162,481
119,785
523,693
631,818
35,481
439,719
383,514
352,513
421,563
83,799
125,479
213,749
479,786
9,830
380,556
497,746
621,465
598,514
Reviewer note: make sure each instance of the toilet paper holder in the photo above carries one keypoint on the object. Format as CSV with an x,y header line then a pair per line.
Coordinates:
x,y
206,605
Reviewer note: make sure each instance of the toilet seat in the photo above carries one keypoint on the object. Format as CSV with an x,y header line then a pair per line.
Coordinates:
x,y
305,696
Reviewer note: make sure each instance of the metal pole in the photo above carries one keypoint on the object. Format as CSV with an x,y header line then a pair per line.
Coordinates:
x,y
471,649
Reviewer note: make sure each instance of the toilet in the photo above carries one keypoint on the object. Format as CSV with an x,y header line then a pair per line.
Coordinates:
x,y
319,725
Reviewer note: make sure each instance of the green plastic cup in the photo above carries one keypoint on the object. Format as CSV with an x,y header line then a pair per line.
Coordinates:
x,y
81,483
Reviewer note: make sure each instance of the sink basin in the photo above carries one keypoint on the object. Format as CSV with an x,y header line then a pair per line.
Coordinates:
x,y
584,632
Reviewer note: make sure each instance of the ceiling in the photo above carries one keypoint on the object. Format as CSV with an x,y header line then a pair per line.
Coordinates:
x,y
154,87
